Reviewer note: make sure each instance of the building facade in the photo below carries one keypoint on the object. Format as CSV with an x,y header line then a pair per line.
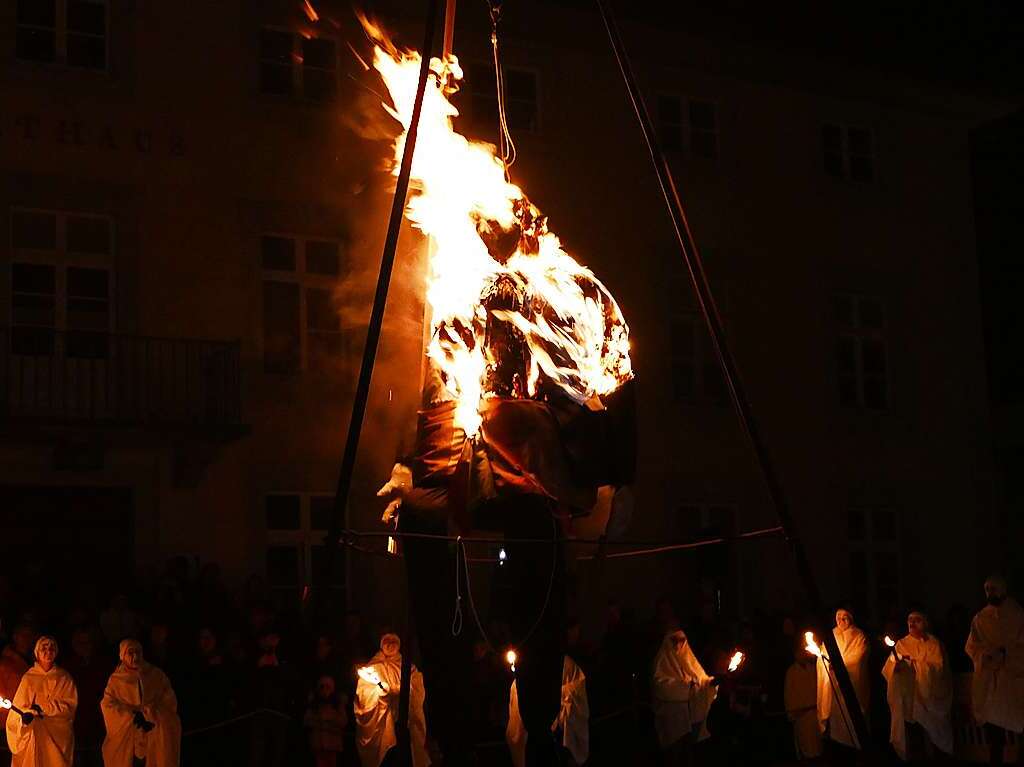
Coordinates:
x,y
194,205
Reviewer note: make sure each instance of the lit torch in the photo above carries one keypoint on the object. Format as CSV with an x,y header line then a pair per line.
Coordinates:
x,y
511,658
812,646
369,674
892,647
736,660
6,703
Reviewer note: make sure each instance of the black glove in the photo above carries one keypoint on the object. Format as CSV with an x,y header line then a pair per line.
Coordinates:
x,y
139,720
26,717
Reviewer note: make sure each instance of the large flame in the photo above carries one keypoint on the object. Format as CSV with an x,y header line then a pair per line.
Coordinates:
x,y
575,336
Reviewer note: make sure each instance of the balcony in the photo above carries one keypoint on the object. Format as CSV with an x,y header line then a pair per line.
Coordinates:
x,y
91,379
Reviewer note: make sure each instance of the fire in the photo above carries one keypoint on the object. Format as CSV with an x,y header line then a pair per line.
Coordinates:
x,y
511,658
812,646
369,674
574,335
888,641
736,660
5,703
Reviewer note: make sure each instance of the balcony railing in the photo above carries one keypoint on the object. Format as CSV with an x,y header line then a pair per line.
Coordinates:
x,y
103,378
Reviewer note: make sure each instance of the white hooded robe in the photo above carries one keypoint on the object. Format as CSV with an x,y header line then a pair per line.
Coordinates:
x,y
682,692
833,716
49,741
147,689
376,713
997,693
573,717
920,691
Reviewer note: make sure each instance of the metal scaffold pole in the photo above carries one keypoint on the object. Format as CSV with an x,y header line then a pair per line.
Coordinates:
x,y
702,288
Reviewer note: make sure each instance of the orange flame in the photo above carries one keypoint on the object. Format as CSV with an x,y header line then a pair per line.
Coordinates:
x,y
311,13
737,658
812,646
573,329
888,642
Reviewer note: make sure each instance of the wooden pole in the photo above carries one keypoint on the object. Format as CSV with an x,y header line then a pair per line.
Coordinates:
x,y
698,277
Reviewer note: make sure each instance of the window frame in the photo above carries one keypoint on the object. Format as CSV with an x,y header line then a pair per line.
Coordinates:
x,y
60,31
845,153
684,129
306,538
869,546
304,280
475,94
297,66
62,259
704,357
858,334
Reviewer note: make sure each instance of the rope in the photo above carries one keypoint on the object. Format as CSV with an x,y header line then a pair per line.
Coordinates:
x,y
506,146
547,596
764,532
457,620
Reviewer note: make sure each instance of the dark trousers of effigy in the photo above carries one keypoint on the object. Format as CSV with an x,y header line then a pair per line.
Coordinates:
x,y
533,596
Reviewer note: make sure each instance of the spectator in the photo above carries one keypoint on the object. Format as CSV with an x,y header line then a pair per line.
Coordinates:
x,y
90,672
325,722
14,663
119,621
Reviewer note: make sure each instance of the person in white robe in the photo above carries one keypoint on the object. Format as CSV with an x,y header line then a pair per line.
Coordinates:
x,y
44,735
682,694
376,707
996,647
140,712
800,696
919,691
573,718
833,717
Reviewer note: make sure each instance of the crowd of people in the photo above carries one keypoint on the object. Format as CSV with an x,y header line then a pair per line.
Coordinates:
x,y
177,669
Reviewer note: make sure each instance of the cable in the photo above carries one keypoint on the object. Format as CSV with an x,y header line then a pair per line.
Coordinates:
x,y
457,620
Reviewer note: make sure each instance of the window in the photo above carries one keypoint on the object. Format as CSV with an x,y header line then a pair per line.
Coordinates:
x,y
71,32
61,281
874,558
848,152
297,524
521,99
688,125
299,66
861,359
696,372
301,323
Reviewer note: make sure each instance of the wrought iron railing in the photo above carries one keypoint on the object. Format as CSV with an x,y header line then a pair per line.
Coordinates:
x,y
91,377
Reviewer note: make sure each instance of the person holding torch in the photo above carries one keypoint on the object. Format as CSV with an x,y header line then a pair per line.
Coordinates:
x,y
682,696
920,692
833,717
376,706
40,727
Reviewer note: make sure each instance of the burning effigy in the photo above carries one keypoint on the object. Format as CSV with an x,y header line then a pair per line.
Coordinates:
x,y
528,359
527,403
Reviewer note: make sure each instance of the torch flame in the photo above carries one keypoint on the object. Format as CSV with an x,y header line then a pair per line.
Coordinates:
x,y
574,332
511,658
736,660
812,646
5,703
888,641
369,674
